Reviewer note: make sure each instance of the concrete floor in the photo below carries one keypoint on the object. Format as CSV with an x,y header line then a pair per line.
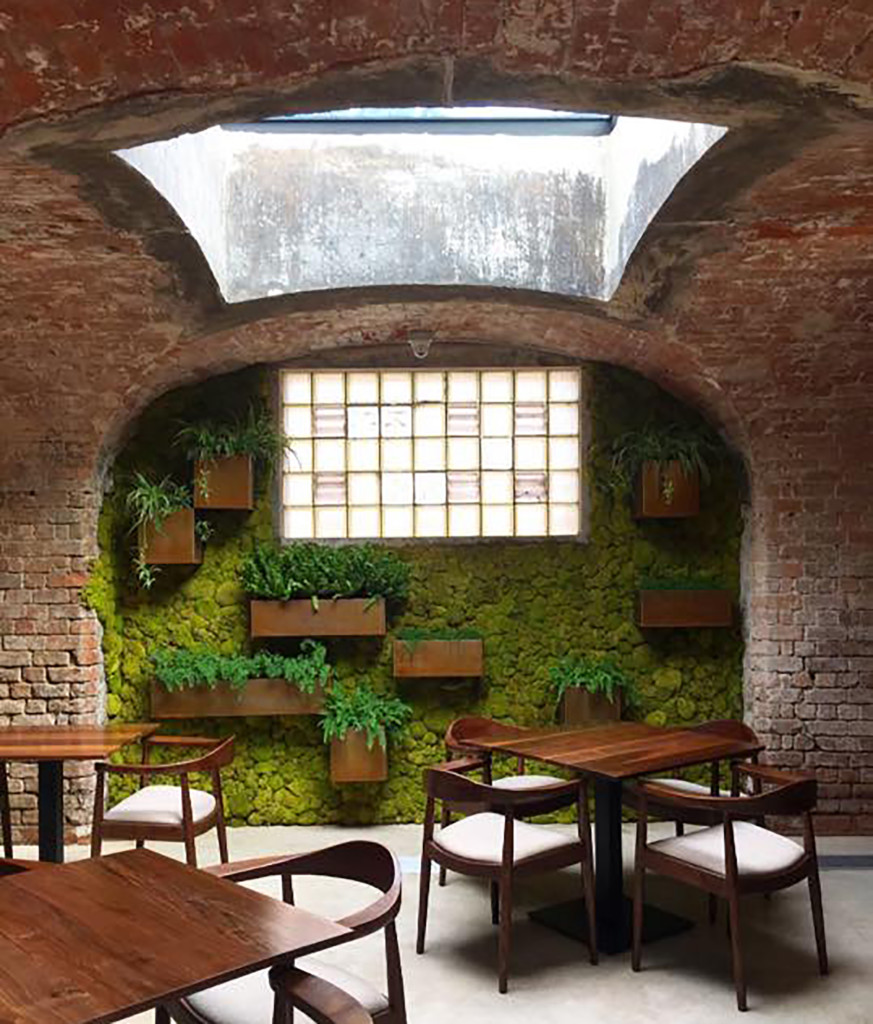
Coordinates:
x,y
685,980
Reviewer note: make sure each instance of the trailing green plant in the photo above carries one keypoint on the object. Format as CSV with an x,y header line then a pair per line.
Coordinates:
x,y
681,583
304,570
151,502
254,434
693,448
203,530
362,708
596,675
412,636
181,669
146,575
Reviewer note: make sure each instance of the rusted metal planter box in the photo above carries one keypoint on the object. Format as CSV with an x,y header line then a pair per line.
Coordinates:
x,y
351,761
343,617
579,707
664,491
437,658
257,697
175,543
684,609
229,483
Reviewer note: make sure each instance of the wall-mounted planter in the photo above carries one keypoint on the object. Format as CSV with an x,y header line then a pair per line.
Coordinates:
x,y
579,707
684,609
664,491
343,617
229,483
257,697
175,543
351,761
437,658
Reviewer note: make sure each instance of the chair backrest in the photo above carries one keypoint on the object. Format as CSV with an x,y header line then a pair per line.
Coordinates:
x,y
444,784
471,727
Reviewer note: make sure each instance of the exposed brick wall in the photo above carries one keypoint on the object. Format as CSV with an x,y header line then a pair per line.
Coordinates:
x,y
765,325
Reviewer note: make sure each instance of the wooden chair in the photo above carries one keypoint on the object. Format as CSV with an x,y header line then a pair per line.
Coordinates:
x,y
169,813
316,985
494,844
5,812
735,857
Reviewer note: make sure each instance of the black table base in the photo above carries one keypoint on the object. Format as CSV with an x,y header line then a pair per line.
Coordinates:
x,y
51,811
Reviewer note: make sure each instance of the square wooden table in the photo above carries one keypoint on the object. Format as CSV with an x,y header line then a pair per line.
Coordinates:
x,y
610,754
102,939
50,746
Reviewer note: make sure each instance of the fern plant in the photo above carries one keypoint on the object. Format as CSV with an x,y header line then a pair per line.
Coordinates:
x,y
315,571
181,669
362,708
596,675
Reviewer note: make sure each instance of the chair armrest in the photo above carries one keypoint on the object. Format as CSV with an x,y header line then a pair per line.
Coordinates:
x,y
172,768
463,765
247,870
775,776
323,1002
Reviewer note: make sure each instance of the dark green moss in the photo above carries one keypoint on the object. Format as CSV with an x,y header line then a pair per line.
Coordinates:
x,y
532,604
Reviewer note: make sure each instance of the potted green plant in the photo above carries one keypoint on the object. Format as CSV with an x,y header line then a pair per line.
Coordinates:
x,y
664,466
437,653
588,689
162,516
224,454
685,602
307,589
203,683
356,723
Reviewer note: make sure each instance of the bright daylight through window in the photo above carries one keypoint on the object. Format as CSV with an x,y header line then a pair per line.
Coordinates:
x,y
432,453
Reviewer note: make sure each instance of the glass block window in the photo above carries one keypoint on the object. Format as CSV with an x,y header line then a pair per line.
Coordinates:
x,y
431,453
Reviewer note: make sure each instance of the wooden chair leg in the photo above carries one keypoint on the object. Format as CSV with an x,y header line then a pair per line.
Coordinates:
x,y
639,896
736,950
140,844
504,934
396,995
162,1015
590,908
712,907
680,828
445,821
818,920
190,850
5,813
495,902
423,896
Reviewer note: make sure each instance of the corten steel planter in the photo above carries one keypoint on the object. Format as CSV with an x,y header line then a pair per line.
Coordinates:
x,y
175,543
358,616
351,761
229,483
684,609
579,707
437,658
684,490
257,697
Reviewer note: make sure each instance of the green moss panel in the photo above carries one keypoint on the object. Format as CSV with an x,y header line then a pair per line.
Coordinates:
x,y
532,603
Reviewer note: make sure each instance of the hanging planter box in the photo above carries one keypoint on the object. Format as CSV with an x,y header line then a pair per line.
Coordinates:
x,y
664,491
351,761
257,697
437,658
684,609
229,483
344,617
175,543
580,707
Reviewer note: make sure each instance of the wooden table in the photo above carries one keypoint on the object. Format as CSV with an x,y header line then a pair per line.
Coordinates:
x,y
102,939
50,746
611,753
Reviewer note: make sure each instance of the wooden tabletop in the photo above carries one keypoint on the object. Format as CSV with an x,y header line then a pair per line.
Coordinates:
x,y
69,742
619,750
99,940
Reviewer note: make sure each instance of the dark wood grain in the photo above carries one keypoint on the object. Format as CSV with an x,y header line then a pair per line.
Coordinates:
x,y
99,940
68,742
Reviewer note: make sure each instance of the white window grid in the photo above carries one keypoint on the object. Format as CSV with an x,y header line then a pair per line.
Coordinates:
x,y
432,454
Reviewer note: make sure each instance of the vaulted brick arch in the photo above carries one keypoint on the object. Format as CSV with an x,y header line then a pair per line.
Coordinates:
x,y
750,297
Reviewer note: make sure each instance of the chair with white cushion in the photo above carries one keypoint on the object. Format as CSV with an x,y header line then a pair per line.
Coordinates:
x,y
161,812
311,985
496,845
735,857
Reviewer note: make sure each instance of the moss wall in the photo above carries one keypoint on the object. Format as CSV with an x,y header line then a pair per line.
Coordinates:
x,y
532,603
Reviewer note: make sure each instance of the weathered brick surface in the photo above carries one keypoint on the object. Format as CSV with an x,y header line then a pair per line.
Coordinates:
x,y
765,325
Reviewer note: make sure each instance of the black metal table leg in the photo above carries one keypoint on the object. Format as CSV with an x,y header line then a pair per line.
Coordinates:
x,y
613,909
51,811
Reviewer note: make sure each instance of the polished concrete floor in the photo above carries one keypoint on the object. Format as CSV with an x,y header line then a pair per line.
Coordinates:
x,y
685,980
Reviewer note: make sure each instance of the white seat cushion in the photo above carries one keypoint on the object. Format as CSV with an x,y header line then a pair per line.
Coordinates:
x,y
759,851
525,781
683,786
160,805
249,1000
479,837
